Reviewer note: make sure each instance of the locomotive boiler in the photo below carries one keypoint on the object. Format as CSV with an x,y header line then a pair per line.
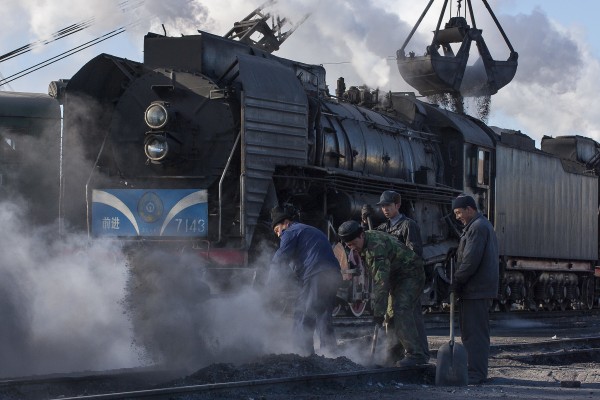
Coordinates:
x,y
190,149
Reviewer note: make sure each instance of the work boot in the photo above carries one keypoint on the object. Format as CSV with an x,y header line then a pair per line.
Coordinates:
x,y
410,362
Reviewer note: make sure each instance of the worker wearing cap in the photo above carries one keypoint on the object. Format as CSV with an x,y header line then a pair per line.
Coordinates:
x,y
475,283
307,251
407,232
397,271
397,224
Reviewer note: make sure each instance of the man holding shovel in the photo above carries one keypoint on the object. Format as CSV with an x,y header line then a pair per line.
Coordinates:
x,y
397,272
476,284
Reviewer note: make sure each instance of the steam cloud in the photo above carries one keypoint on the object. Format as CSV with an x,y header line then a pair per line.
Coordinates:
x,y
59,300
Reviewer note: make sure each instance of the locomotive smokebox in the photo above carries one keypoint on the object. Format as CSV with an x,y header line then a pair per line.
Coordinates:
x,y
344,205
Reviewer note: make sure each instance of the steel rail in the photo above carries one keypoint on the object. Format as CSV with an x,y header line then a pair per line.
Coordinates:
x,y
415,374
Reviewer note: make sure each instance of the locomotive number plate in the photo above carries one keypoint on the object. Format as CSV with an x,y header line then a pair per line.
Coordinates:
x,y
149,212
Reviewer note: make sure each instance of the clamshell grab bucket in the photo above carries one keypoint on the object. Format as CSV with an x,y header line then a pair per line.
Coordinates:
x,y
441,71
435,73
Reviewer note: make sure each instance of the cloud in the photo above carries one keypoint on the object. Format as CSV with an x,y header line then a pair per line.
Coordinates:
x,y
549,56
555,85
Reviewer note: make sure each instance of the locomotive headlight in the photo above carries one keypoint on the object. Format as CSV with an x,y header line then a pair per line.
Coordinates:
x,y
156,147
156,115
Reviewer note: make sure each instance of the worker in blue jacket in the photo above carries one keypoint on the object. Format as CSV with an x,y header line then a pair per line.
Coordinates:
x,y
307,251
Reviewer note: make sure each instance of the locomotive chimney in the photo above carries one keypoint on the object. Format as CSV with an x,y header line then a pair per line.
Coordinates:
x,y
341,88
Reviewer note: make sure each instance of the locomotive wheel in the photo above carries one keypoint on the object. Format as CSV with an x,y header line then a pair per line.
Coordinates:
x,y
532,305
564,305
588,294
358,307
339,311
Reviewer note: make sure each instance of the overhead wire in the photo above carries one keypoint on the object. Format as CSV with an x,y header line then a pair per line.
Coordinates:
x,y
125,5
61,33
60,56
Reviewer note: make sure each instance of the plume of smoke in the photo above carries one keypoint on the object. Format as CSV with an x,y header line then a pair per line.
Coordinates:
x,y
60,300
549,57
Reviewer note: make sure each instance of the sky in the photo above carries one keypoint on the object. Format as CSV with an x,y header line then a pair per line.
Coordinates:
x,y
553,91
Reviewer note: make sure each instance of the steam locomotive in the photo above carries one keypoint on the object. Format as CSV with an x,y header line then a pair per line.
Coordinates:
x,y
189,150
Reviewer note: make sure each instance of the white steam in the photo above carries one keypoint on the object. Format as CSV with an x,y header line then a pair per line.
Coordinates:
x,y
61,301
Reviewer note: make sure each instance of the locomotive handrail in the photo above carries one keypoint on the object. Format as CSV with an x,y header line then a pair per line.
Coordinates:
x,y
87,183
237,139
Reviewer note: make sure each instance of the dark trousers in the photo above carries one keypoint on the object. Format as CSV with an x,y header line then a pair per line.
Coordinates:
x,y
405,339
396,347
314,306
475,334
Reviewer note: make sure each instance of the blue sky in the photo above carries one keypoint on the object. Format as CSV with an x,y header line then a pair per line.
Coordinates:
x,y
553,92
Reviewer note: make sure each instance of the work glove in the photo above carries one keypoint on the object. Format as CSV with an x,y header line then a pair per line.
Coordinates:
x,y
366,212
378,319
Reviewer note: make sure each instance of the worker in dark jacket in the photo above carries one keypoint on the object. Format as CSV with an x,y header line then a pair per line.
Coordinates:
x,y
397,271
397,224
407,232
476,283
307,251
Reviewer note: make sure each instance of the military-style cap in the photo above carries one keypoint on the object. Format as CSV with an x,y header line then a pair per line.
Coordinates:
x,y
349,230
389,197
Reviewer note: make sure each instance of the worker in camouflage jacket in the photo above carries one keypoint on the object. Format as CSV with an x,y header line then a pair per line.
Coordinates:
x,y
407,232
397,272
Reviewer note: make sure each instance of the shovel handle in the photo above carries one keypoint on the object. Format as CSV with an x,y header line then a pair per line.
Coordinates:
x,y
452,300
451,318
374,342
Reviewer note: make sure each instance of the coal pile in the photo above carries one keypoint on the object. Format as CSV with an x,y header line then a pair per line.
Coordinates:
x,y
271,366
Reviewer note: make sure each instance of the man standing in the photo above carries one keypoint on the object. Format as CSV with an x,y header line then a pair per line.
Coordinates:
x,y
397,272
397,224
307,251
476,283
407,232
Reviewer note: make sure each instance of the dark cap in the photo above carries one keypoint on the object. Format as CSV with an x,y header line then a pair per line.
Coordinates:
x,y
278,214
349,230
389,197
464,201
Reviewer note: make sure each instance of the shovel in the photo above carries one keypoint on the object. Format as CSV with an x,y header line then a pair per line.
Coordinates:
x,y
451,368
374,344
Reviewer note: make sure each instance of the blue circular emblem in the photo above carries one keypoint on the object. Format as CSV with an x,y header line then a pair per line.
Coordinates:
x,y
150,207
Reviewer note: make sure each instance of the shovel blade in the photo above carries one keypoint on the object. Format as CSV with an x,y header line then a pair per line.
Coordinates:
x,y
451,367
